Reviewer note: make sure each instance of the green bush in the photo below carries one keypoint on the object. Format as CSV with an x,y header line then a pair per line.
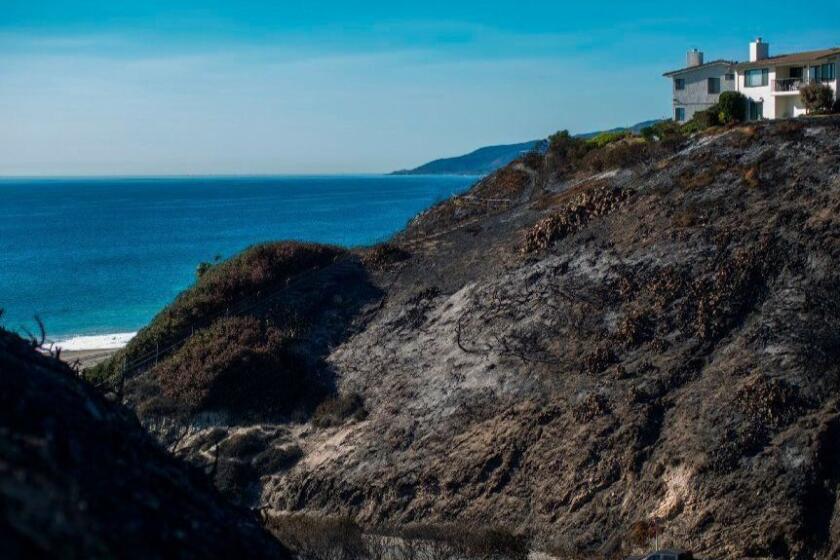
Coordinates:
x,y
731,107
606,138
669,133
619,156
691,127
565,152
708,118
818,98
568,154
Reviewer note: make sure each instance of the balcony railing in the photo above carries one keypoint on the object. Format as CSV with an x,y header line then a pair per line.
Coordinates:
x,y
790,84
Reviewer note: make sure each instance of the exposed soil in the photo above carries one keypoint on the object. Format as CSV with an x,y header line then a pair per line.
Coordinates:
x,y
566,355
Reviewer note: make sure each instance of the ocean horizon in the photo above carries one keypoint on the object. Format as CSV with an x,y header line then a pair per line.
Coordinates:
x,y
97,257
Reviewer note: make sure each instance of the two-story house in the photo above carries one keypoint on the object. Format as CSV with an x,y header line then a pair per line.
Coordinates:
x,y
770,83
698,86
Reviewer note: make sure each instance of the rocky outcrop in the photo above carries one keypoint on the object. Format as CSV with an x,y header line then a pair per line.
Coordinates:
x,y
79,477
586,352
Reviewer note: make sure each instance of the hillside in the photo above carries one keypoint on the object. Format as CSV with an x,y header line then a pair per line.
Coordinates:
x,y
586,343
79,478
486,160
479,162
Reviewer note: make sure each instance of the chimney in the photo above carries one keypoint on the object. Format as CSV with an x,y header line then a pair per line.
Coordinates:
x,y
759,50
694,58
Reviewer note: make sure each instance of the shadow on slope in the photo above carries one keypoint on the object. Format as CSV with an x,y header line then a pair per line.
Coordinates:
x,y
79,478
247,340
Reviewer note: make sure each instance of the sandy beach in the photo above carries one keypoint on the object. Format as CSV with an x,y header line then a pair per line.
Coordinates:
x,y
92,349
87,358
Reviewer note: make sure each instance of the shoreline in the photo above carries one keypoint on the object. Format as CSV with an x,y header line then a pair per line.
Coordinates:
x,y
82,343
90,350
87,358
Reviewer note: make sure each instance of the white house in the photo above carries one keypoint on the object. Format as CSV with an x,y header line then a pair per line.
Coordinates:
x,y
770,83
698,86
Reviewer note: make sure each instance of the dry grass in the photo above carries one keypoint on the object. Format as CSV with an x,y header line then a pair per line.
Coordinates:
x,y
383,255
339,409
239,364
255,273
578,211
751,176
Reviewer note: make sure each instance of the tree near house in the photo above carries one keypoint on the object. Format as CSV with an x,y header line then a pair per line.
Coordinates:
x,y
818,98
731,107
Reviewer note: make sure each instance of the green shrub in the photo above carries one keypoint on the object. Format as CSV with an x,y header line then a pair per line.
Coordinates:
x,y
731,107
619,156
568,154
708,118
606,138
669,134
818,98
691,127
565,152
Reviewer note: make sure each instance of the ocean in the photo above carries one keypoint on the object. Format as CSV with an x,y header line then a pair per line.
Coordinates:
x,y
96,259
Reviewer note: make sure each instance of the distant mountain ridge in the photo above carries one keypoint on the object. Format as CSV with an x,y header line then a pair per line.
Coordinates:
x,y
485,160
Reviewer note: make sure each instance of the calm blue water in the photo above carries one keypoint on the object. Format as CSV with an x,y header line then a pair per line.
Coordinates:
x,y
97,256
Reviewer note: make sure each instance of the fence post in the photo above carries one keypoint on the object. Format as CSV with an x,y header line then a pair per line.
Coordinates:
x,y
122,379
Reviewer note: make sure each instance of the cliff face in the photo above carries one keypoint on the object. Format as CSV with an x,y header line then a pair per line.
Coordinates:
x,y
79,477
568,354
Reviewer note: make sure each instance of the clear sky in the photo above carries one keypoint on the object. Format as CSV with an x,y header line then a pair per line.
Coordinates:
x,y
226,87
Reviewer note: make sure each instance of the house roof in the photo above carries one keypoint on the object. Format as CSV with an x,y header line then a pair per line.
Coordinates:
x,y
794,58
706,65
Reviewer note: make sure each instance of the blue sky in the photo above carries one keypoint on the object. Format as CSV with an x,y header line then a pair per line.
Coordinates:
x,y
259,87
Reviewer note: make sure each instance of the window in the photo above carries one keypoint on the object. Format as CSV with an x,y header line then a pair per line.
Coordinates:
x,y
757,78
714,85
679,114
796,72
822,73
756,110
679,83
729,77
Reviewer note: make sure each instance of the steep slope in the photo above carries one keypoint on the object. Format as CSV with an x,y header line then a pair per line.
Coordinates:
x,y
572,354
79,478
